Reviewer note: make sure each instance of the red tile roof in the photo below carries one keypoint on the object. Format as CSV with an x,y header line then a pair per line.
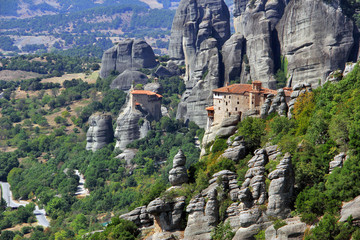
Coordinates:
x,y
243,88
210,108
145,92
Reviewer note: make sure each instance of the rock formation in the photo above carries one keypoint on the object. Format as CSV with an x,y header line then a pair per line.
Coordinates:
x,y
337,162
205,78
194,21
351,208
139,216
127,79
127,54
237,149
294,229
129,127
178,174
298,89
281,188
203,216
100,131
316,38
199,30
154,87
167,214
232,53
275,104
297,30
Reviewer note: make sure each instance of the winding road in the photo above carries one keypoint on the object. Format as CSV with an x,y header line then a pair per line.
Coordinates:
x,y
7,196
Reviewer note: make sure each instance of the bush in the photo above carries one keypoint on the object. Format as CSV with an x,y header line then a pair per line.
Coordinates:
x,y
222,231
219,145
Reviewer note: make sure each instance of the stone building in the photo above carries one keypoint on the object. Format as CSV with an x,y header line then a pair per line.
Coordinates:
x,y
237,99
148,101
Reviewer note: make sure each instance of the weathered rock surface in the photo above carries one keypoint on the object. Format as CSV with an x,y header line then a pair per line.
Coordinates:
x,y
294,229
139,216
275,104
338,162
205,78
203,217
351,208
127,54
232,53
281,189
167,215
236,151
298,89
128,128
194,21
127,79
154,87
163,72
127,155
225,129
200,28
316,38
100,131
178,174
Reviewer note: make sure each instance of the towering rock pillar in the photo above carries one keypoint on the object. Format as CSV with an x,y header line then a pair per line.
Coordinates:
x,y
199,30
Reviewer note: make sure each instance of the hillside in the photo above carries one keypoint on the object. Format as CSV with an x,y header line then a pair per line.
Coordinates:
x,y
236,134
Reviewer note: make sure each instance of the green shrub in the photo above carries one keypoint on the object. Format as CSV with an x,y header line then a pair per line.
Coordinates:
x,y
219,145
222,231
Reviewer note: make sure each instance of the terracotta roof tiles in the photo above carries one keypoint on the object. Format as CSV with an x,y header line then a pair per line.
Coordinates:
x,y
145,92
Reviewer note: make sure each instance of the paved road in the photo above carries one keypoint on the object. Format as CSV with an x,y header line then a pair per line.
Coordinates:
x,y
7,196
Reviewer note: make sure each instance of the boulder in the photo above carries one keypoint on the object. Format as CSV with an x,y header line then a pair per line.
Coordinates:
x,y
294,229
203,217
154,87
127,155
316,38
351,208
178,174
163,72
127,79
167,214
337,162
127,54
140,217
100,131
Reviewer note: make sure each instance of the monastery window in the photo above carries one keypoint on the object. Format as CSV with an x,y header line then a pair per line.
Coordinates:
x,y
227,110
226,103
219,108
236,109
238,102
229,97
229,114
219,101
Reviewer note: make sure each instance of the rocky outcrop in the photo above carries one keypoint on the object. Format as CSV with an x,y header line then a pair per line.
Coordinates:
x,y
127,54
167,214
236,150
100,131
316,38
205,78
127,79
139,216
225,129
178,174
298,89
281,189
129,127
338,161
154,87
275,104
256,20
294,229
127,155
194,21
351,208
200,28
232,53
203,216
